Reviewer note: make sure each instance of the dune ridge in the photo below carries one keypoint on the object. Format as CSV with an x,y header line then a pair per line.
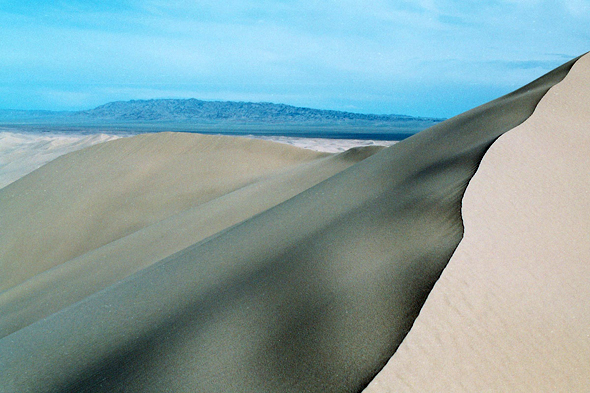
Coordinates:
x,y
22,153
313,294
510,311
22,150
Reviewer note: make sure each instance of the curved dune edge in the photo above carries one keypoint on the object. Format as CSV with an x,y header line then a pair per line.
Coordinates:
x,y
314,294
510,312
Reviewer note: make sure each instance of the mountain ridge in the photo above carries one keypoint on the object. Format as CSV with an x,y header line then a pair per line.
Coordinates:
x,y
218,117
193,109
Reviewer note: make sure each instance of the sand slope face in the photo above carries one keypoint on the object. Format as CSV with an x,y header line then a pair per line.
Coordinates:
x,y
71,281
89,198
510,312
22,153
313,294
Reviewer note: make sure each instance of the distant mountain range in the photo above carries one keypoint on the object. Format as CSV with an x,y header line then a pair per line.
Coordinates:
x,y
239,117
193,109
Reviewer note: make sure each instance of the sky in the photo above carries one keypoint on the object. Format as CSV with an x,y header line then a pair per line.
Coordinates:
x,y
433,58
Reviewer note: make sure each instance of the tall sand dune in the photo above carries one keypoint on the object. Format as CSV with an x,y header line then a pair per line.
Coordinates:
x,y
189,264
89,198
511,312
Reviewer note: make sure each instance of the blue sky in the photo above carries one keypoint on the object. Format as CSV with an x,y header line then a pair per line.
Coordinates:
x,y
423,57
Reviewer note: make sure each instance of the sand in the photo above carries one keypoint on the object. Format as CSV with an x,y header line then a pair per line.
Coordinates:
x,y
312,290
114,189
22,153
325,144
64,281
511,312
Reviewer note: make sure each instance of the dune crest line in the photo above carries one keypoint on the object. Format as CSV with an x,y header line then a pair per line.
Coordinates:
x,y
510,311
313,294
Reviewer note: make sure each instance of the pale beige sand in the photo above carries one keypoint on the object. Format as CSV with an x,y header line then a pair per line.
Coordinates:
x,y
22,153
313,294
511,312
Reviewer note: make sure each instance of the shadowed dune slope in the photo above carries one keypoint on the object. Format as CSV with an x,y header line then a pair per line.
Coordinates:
x,y
313,294
510,312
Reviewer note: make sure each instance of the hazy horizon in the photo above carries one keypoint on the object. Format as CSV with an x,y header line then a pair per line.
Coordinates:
x,y
429,58
198,99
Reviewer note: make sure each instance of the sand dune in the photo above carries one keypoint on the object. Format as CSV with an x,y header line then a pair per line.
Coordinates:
x,y
22,153
89,198
187,263
99,266
511,312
